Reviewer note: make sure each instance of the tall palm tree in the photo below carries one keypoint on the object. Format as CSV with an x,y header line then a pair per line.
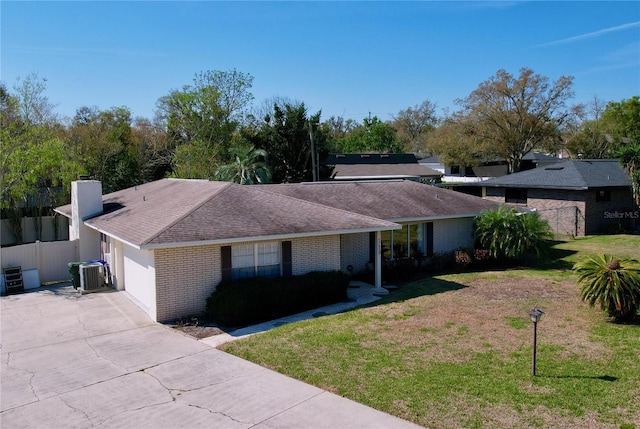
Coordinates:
x,y
249,167
612,283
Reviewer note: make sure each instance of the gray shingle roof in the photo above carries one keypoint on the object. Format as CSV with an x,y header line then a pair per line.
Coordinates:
x,y
173,211
571,175
540,157
390,200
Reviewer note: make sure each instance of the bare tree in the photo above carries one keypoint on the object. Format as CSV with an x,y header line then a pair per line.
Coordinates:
x,y
34,106
338,127
519,114
413,125
587,137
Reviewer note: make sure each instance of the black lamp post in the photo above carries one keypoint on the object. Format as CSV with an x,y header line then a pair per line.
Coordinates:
x,y
535,314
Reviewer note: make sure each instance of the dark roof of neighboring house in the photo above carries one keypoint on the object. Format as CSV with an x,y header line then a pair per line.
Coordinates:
x,y
371,158
434,159
536,157
540,157
393,200
570,175
169,212
373,171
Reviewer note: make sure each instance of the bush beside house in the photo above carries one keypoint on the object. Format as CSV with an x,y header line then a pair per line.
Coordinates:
x,y
259,299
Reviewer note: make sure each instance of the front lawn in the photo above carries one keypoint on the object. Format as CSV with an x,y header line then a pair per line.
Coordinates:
x,y
454,351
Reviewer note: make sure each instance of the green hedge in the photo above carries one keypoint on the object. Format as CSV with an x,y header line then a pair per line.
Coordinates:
x,y
259,299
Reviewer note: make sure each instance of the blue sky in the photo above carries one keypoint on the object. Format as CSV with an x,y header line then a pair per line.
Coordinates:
x,y
346,58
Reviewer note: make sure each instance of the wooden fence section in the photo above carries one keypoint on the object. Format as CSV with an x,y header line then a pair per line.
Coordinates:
x,y
49,258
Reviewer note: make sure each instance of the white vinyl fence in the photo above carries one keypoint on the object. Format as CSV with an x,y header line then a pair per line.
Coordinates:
x,y
49,258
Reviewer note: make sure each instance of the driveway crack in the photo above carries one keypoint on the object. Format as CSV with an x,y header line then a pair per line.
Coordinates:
x,y
173,392
31,377
132,410
219,413
81,411
170,391
86,340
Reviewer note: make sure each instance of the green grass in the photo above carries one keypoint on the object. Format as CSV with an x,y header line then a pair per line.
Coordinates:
x,y
517,322
443,352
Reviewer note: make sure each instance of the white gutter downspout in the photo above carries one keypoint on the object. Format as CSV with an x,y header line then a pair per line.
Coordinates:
x,y
379,290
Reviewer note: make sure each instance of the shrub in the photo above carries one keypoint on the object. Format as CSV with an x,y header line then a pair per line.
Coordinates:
x,y
612,283
461,259
398,269
481,255
441,261
260,299
505,233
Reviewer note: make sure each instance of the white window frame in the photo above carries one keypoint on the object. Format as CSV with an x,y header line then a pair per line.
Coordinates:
x,y
262,259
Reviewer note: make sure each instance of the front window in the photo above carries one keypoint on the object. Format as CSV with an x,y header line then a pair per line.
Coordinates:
x,y
404,243
242,261
268,264
258,259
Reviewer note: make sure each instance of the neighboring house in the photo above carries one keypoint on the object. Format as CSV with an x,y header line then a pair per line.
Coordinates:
x,y
579,197
170,242
495,168
380,166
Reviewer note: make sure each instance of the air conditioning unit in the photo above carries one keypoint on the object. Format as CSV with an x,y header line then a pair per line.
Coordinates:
x,y
92,277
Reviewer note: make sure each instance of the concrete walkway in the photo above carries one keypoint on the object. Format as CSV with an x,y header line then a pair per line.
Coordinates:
x,y
97,361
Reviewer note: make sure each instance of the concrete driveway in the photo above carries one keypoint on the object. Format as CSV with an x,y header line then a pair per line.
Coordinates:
x,y
97,361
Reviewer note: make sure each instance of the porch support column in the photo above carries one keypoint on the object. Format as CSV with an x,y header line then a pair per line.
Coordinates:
x,y
379,290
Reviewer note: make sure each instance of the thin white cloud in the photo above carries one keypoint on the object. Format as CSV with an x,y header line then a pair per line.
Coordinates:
x,y
625,57
592,35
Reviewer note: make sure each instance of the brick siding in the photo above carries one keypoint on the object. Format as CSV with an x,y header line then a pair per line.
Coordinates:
x,y
452,234
186,276
602,215
354,251
315,254
577,212
564,210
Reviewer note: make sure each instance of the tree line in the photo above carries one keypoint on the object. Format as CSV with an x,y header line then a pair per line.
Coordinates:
x,y
211,129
